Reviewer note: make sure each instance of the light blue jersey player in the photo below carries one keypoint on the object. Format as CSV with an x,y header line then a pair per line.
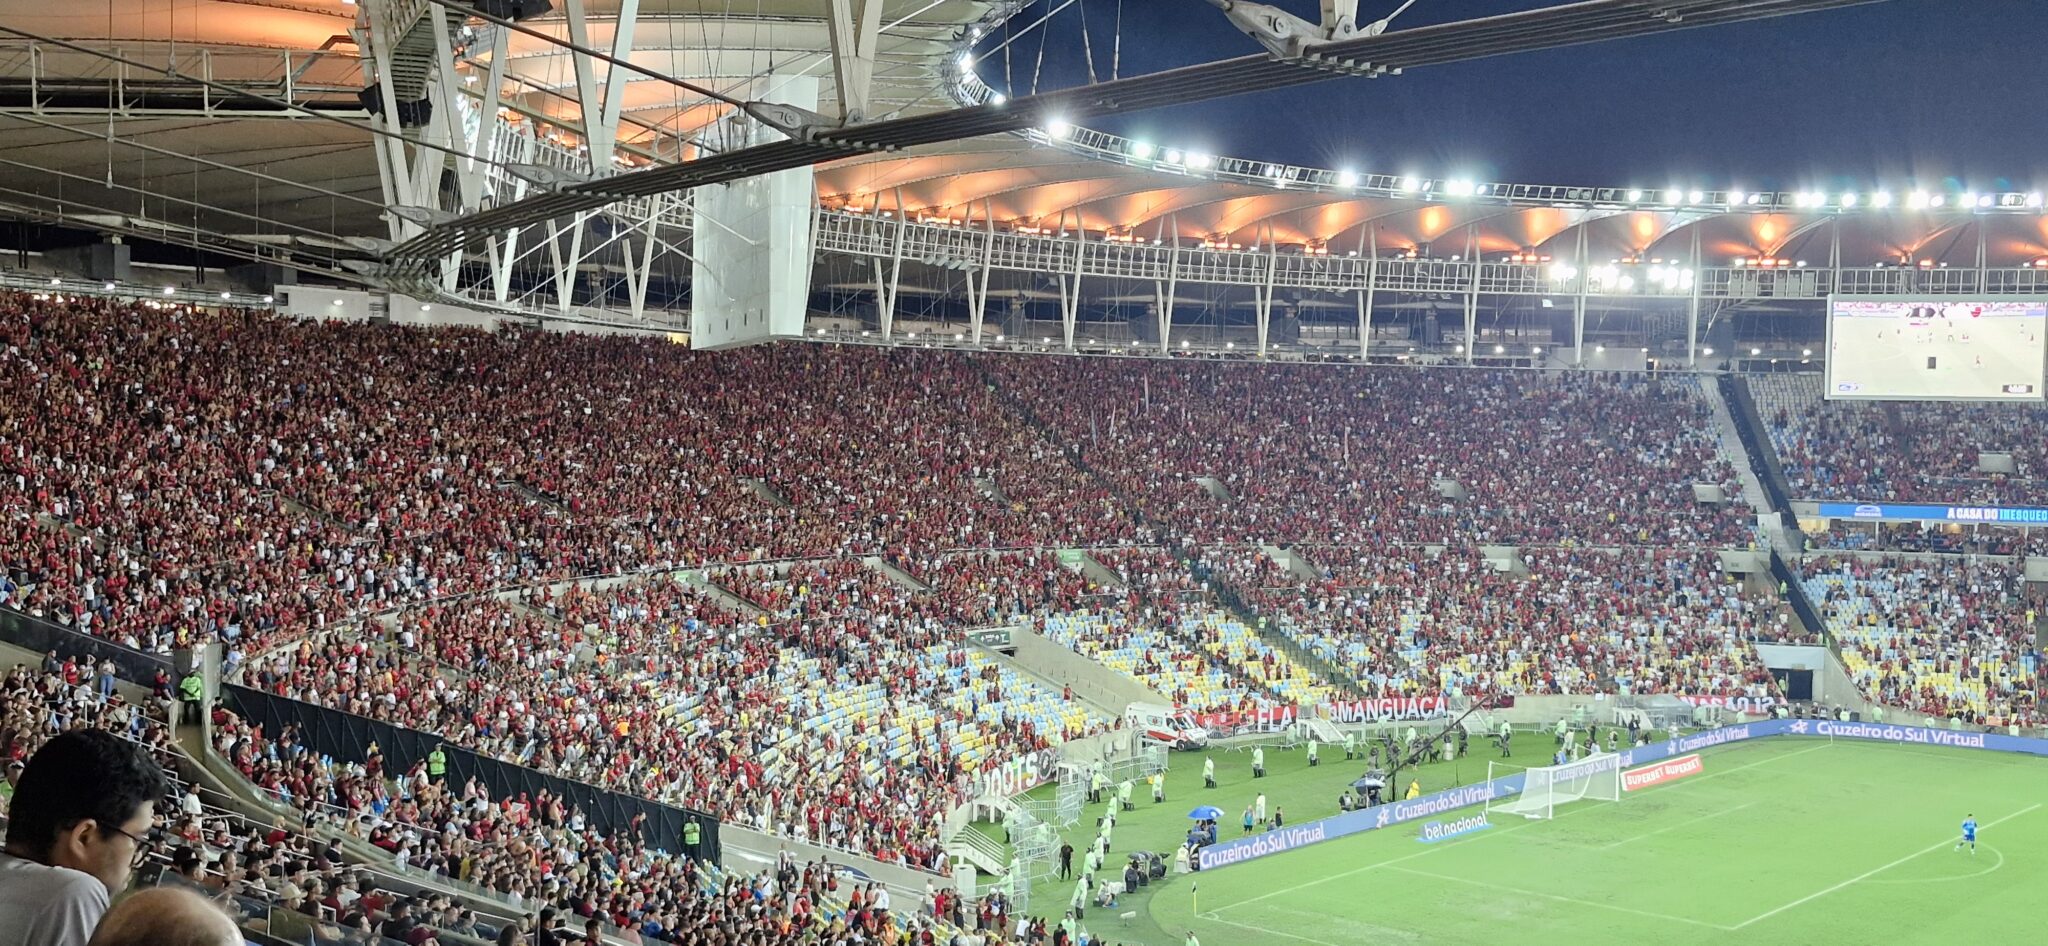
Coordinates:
x,y
1969,834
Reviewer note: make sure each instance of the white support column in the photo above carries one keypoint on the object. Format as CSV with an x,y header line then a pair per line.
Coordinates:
x,y
1579,309
600,112
1983,271
885,305
1371,242
977,296
1834,256
636,288
1263,297
501,257
566,268
1471,301
1165,292
1070,292
895,271
1692,309
855,28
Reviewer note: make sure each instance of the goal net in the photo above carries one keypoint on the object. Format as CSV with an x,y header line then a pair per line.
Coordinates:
x,y
1596,776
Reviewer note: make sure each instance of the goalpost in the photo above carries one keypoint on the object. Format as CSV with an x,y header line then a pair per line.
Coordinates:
x,y
1596,776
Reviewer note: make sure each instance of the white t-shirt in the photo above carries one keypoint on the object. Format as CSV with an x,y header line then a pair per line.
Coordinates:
x,y
48,906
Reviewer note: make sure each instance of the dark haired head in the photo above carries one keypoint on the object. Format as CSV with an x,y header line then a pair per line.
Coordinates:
x,y
83,802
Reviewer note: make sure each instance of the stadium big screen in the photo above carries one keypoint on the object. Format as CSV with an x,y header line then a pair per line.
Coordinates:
x,y
1887,348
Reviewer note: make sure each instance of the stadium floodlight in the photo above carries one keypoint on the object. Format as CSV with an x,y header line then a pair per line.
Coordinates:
x,y
1199,161
1459,350
1734,197
1562,272
266,299
1230,344
1634,195
997,98
1801,264
1535,349
1500,349
1347,178
1058,128
426,308
1806,353
1459,188
1596,776
56,281
1043,340
1183,343
958,337
225,296
1709,352
1672,196
1172,156
1881,199
913,336
1984,200
1752,352
1600,349
1917,200
1695,197
1408,185
2034,199
109,287
1969,199
1141,149
821,333
966,61
1849,199
1937,200
171,291
999,339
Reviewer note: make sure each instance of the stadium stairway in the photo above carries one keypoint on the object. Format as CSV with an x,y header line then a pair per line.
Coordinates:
x,y
1762,463
1734,448
1095,571
897,575
767,492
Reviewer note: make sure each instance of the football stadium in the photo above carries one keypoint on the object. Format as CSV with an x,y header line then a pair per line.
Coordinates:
x,y
1000,472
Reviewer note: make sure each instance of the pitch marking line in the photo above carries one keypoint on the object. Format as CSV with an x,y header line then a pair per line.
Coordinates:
x,y
1689,821
1873,872
1561,899
1494,834
1261,929
1942,880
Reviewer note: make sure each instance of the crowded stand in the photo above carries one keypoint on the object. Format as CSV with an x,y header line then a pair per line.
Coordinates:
x,y
1950,637
1901,451
1315,453
541,857
1163,627
389,522
1414,621
843,695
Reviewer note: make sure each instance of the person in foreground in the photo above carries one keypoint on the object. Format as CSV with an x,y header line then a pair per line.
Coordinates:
x,y
166,916
79,825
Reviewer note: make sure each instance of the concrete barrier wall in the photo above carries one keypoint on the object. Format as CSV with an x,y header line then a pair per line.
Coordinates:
x,y
1091,681
745,849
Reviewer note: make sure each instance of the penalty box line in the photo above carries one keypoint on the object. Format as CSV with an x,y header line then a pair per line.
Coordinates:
x,y
1809,898
1483,835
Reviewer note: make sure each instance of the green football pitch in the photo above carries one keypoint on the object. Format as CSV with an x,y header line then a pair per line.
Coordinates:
x,y
1785,840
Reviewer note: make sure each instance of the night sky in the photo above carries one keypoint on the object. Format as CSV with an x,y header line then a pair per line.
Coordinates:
x,y
1894,93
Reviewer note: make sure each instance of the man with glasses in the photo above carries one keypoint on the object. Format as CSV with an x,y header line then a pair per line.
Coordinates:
x,y
79,827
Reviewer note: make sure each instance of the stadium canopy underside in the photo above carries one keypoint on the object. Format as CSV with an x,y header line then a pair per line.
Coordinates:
x,y
491,160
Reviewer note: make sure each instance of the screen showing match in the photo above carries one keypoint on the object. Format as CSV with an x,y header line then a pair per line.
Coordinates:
x,y
1936,350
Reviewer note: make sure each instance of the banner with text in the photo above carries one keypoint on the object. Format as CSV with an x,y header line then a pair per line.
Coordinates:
x,y
1387,708
1668,770
1908,512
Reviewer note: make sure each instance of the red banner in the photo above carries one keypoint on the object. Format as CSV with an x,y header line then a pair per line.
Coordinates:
x,y
1669,770
1393,707
1750,705
1263,719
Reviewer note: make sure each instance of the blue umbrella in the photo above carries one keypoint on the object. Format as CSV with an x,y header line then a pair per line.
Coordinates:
x,y
1206,813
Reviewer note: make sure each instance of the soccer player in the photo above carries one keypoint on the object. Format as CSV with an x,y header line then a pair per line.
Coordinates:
x,y
1969,834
